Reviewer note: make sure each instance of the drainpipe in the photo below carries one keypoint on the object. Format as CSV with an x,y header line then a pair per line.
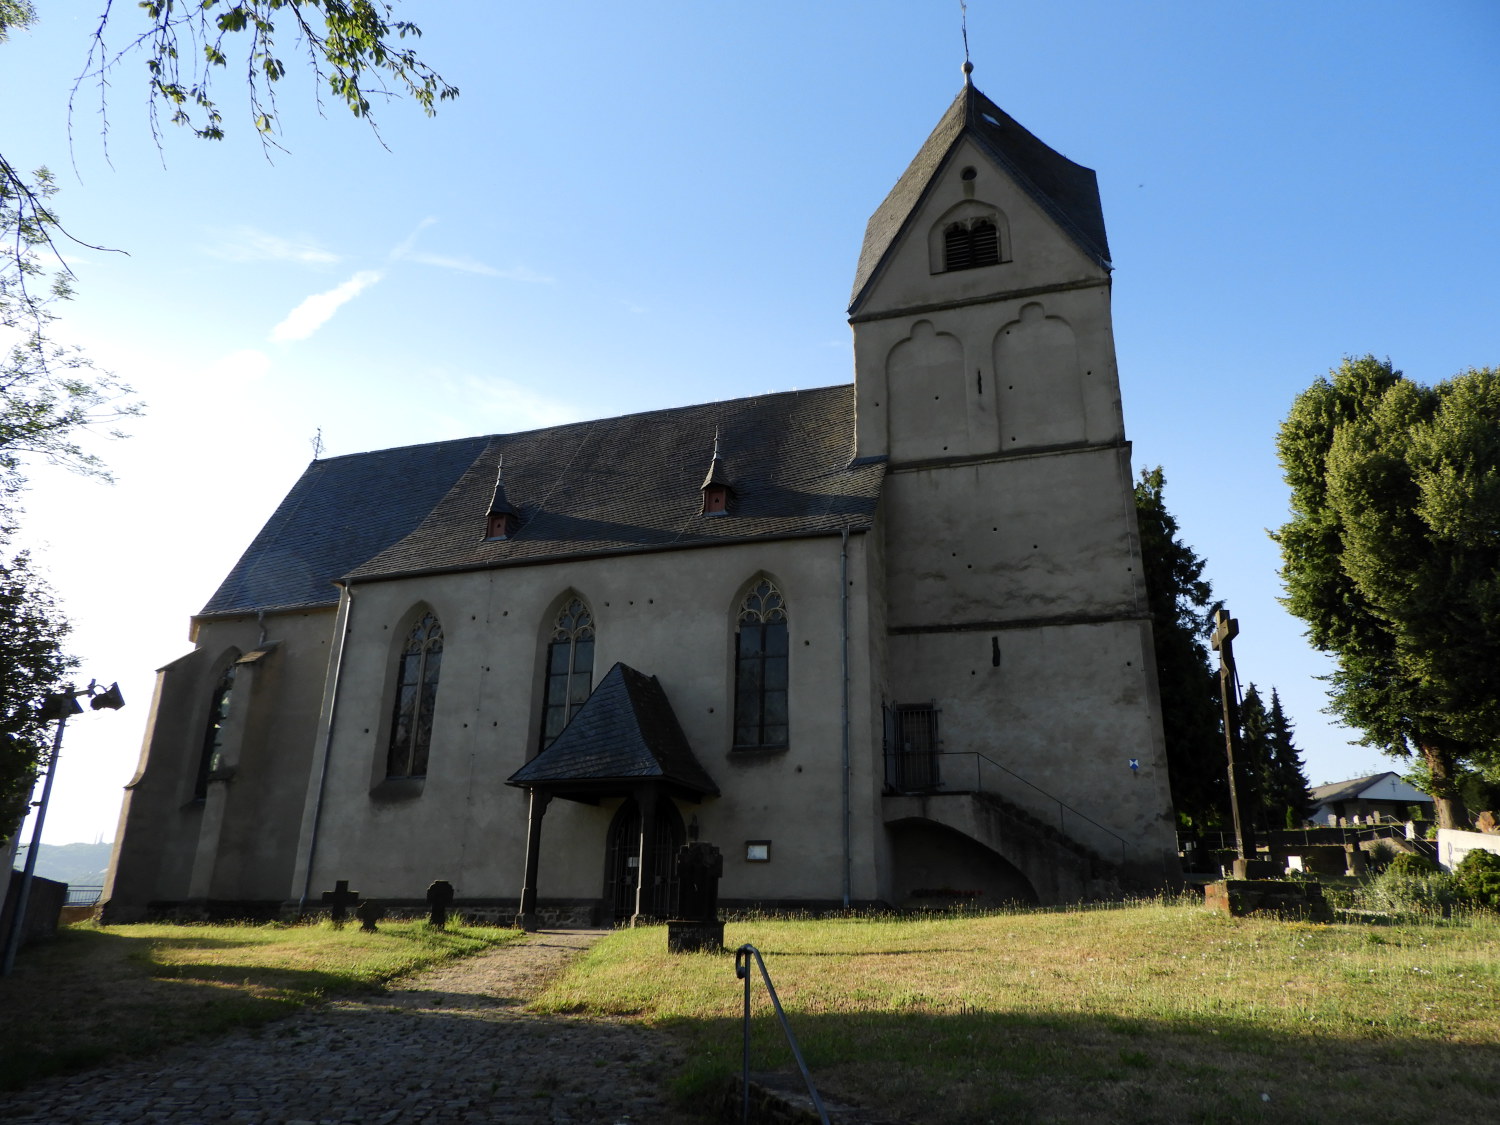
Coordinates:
x,y
333,706
844,700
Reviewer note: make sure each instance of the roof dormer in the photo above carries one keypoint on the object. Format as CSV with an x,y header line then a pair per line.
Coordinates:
x,y
504,518
716,489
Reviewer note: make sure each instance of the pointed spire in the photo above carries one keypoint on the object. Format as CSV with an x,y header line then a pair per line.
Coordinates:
x,y
501,505
716,488
504,517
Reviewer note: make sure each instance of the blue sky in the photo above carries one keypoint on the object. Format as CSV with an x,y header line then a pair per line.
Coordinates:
x,y
637,206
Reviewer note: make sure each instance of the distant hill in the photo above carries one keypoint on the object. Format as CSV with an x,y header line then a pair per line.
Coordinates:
x,y
79,865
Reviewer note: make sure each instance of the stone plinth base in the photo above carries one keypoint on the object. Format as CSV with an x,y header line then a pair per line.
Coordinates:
x,y
1287,897
695,937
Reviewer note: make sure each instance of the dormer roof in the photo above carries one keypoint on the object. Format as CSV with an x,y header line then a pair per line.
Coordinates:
x,y
1067,192
500,504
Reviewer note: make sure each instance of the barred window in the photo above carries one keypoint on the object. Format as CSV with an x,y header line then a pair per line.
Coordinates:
x,y
213,732
416,698
760,670
570,668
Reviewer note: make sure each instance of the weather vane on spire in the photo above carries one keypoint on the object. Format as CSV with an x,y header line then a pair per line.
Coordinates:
x,y
963,23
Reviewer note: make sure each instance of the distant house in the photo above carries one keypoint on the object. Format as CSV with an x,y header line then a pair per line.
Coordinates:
x,y
1382,795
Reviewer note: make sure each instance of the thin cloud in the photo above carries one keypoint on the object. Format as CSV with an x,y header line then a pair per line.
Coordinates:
x,y
249,245
316,311
469,265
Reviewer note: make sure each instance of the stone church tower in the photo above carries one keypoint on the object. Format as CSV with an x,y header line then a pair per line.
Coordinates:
x,y
985,375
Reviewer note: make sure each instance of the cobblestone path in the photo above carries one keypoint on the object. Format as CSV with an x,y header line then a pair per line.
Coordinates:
x,y
448,1045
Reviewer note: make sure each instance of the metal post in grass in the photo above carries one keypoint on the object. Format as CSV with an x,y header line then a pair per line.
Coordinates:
x,y
58,707
742,957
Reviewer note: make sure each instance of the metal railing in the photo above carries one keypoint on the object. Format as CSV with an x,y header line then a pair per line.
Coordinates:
x,y
83,896
931,777
742,957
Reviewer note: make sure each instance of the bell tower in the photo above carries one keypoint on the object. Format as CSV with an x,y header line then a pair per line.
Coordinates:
x,y
985,376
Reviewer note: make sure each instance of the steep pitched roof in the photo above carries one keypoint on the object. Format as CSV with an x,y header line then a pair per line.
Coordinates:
x,y
625,732
1349,790
1068,192
340,512
631,484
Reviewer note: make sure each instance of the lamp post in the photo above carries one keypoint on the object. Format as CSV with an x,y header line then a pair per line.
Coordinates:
x,y
59,707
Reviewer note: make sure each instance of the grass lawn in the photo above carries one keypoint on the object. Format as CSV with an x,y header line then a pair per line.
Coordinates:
x,y
101,992
1152,1013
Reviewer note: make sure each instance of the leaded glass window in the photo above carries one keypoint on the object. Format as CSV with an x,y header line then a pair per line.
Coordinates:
x,y
213,733
570,668
760,670
416,697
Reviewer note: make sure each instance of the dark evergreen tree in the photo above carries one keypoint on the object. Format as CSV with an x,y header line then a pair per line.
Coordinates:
x,y
1257,782
1287,769
1180,599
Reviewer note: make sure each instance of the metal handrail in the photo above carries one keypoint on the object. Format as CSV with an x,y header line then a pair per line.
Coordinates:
x,y
1062,806
742,971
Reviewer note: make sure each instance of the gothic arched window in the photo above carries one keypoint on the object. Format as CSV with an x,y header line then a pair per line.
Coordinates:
x,y
213,732
416,696
570,668
760,670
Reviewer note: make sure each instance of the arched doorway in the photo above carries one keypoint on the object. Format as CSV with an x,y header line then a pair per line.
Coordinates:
x,y
622,859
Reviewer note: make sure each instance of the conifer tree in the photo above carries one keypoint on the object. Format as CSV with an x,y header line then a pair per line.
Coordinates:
x,y
1290,775
1180,599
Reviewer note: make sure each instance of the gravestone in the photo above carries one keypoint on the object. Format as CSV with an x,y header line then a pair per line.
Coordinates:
x,y
439,898
697,927
339,900
368,914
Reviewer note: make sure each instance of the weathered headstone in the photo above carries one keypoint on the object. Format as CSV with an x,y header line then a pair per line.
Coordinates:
x,y
369,913
439,898
339,900
697,927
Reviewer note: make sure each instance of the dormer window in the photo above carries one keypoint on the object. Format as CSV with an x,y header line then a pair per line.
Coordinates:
x,y
716,488
969,245
504,518
716,500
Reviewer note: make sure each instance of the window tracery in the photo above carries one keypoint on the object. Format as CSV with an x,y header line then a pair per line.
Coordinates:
x,y
416,699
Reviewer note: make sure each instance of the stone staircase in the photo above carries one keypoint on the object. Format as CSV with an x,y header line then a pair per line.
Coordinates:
x,y
1059,868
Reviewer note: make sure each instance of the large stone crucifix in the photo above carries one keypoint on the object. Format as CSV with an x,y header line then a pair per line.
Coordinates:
x,y
1226,628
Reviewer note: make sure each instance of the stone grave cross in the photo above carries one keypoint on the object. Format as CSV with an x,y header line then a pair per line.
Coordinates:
x,y
339,900
1226,628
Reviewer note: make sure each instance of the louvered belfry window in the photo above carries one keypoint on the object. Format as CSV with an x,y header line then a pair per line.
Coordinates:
x,y
969,245
416,698
760,670
570,668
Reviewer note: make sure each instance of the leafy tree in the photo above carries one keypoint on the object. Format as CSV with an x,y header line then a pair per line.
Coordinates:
x,y
1392,558
1180,600
32,666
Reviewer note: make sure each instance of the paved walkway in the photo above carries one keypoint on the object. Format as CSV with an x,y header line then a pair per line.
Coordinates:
x,y
448,1046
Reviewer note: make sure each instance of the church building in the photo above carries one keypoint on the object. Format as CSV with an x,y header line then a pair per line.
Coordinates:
x,y
881,644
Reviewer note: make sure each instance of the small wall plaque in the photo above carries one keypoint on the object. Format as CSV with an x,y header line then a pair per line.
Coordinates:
x,y
757,851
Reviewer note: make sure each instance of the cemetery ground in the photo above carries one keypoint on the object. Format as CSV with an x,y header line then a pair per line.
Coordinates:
x,y
1153,1012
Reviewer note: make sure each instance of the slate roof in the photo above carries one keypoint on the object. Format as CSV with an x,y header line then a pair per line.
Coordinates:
x,y
625,732
1068,192
339,513
634,484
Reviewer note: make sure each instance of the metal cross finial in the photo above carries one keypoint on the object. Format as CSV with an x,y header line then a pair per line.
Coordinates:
x,y
963,22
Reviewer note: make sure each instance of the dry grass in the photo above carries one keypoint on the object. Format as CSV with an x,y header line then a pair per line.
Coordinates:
x,y
1157,1013
98,993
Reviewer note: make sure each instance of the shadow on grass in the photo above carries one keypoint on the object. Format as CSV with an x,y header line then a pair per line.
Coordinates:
x,y
1015,1067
